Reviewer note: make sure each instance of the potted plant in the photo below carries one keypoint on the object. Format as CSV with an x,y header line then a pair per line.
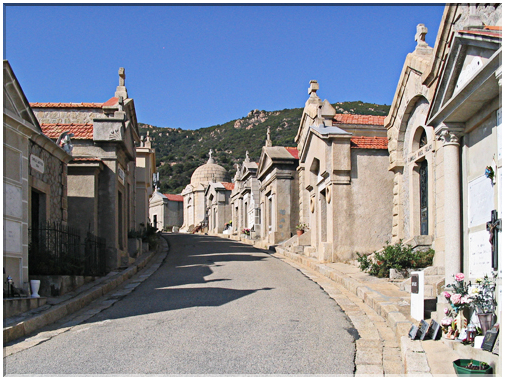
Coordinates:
x,y
471,367
246,231
483,300
300,228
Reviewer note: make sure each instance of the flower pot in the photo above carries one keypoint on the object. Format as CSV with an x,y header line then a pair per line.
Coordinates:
x,y
35,286
460,364
486,321
299,232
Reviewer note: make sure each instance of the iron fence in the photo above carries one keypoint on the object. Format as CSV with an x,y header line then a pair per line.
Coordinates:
x,y
57,249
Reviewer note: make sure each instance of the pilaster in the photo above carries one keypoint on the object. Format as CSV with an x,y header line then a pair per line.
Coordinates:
x,y
450,134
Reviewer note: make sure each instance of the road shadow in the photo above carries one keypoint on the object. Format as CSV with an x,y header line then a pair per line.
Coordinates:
x,y
181,281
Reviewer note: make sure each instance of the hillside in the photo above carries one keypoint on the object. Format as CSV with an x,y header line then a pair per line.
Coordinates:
x,y
179,152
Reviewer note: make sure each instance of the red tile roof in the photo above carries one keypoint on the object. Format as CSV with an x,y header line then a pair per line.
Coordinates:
x,y
174,197
358,119
293,152
86,159
228,185
80,131
496,33
66,105
365,142
111,102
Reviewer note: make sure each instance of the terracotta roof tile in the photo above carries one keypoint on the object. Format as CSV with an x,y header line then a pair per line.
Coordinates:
x,y
174,197
365,142
66,105
228,185
495,33
358,119
80,131
111,102
293,152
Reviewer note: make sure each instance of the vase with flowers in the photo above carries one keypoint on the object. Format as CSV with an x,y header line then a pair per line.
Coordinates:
x,y
460,302
484,300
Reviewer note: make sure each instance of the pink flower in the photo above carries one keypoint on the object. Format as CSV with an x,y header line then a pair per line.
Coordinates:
x,y
447,295
456,299
446,311
446,321
466,299
459,277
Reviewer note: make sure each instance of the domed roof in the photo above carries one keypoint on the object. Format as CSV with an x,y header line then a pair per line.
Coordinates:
x,y
209,172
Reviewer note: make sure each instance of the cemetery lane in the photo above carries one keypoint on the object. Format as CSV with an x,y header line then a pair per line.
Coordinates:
x,y
215,306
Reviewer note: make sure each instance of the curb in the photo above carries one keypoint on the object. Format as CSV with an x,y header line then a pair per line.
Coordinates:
x,y
413,356
76,303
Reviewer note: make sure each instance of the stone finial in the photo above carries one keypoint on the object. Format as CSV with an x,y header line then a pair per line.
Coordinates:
x,y
122,76
313,87
422,30
211,160
268,142
121,89
147,143
247,158
237,173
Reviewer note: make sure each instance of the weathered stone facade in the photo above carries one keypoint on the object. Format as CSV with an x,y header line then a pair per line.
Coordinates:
x,y
445,137
165,210
101,177
218,207
194,194
245,203
145,168
25,149
278,192
342,178
53,180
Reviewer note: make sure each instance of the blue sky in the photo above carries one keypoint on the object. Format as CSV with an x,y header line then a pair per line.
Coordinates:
x,y
194,66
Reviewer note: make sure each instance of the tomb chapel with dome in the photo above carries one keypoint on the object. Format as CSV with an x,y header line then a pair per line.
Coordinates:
x,y
194,194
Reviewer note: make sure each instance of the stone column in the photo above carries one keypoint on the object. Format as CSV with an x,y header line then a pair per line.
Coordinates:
x,y
452,199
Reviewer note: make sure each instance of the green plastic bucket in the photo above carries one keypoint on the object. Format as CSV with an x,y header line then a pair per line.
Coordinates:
x,y
460,364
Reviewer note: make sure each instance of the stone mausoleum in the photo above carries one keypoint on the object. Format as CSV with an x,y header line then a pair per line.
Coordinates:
x,y
194,194
101,176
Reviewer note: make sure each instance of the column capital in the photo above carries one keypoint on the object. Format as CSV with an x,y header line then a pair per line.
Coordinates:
x,y
449,133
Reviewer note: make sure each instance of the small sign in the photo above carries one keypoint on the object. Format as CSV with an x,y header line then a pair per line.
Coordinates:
x,y
489,339
37,163
121,175
423,329
413,332
415,284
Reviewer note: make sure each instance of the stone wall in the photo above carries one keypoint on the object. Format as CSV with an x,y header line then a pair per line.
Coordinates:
x,y
76,116
55,176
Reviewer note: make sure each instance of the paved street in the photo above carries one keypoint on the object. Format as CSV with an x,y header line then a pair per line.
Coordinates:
x,y
214,306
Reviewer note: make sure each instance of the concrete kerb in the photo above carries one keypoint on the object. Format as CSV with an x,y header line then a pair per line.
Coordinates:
x,y
414,358
72,305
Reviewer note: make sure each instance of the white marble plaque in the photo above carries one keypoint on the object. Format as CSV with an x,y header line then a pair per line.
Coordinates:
x,y
12,236
499,135
480,201
121,175
480,254
13,201
36,163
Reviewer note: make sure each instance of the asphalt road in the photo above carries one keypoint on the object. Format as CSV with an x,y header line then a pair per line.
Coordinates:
x,y
214,307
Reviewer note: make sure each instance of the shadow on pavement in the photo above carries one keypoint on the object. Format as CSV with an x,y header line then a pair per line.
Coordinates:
x,y
176,284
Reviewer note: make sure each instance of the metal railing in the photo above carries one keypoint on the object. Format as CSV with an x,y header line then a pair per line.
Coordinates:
x,y
56,249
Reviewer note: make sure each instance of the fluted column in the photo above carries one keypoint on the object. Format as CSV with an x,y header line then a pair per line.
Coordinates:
x,y
452,199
